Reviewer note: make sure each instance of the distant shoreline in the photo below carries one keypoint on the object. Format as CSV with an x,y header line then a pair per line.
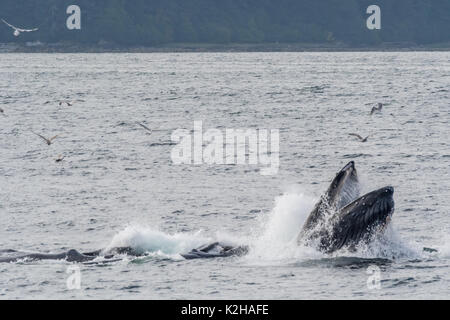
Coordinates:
x,y
37,47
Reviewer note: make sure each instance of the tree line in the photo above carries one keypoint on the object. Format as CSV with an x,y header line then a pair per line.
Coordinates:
x,y
159,22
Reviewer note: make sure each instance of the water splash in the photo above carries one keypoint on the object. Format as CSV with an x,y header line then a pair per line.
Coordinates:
x,y
388,245
272,239
278,231
145,239
443,249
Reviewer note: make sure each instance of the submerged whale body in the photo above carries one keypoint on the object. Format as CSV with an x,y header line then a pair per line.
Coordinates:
x,y
215,250
340,219
69,256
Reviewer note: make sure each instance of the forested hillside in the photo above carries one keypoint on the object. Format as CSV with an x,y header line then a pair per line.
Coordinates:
x,y
159,22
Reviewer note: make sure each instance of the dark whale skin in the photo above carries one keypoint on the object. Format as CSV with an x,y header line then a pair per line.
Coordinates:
x,y
342,190
69,256
215,250
359,221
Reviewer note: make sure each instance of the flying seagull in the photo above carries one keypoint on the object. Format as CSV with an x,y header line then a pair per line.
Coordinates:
x,y
60,158
376,109
145,127
359,137
17,31
48,141
68,103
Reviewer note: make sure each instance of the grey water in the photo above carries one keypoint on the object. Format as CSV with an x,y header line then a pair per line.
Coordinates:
x,y
118,185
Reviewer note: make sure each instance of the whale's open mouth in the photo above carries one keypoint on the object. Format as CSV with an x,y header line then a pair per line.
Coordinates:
x,y
345,186
342,219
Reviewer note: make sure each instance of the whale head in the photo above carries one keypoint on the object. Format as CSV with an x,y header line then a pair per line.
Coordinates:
x,y
361,220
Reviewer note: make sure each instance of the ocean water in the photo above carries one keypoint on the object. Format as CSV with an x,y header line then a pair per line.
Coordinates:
x,y
118,185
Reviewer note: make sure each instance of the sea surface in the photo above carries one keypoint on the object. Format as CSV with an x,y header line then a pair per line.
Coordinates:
x,y
119,186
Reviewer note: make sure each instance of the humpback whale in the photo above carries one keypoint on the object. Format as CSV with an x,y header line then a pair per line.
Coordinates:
x,y
340,219
359,221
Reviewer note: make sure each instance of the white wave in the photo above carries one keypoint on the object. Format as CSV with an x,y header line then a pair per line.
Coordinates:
x,y
145,239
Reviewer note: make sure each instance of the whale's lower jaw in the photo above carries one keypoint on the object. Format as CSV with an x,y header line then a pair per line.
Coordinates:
x,y
344,188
